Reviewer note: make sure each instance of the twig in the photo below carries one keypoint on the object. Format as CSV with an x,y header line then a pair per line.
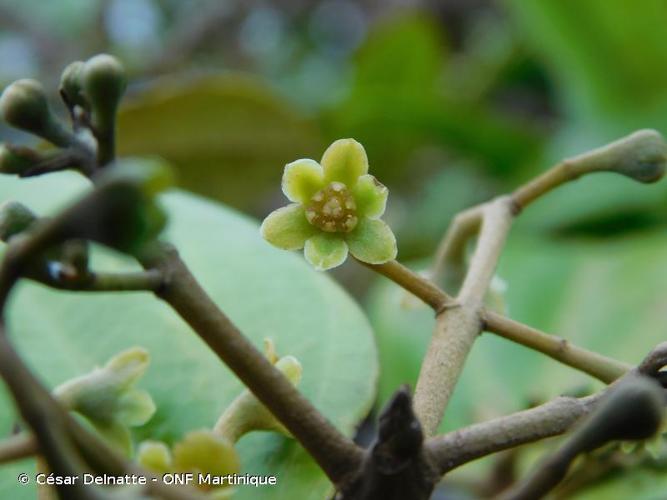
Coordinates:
x,y
458,326
601,367
564,351
456,448
630,411
337,455
407,279
449,262
17,447
149,280
640,155
496,222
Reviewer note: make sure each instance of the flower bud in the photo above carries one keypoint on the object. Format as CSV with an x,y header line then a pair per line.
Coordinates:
x,y
642,156
108,399
631,411
104,82
14,218
246,413
71,86
199,452
23,105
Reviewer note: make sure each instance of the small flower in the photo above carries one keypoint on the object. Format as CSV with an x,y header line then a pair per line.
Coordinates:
x,y
199,452
337,207
108,399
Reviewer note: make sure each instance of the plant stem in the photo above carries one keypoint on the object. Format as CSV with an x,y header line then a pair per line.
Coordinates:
x,y
601,367
150,280
407,279
496,223
456,448
449,262
17,447
337,455
458,326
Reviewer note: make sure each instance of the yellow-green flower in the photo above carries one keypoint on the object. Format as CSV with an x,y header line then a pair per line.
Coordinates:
x,y
337,207
199,452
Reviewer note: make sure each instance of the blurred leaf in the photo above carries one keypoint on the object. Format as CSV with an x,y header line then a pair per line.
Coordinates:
x,y
637,484
397,103
229,136
609,56
266,292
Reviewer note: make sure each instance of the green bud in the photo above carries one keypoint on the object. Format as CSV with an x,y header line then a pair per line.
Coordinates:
x,y
104,82
246,413
107,396
71,86
14,218
23,105
642,156
199,452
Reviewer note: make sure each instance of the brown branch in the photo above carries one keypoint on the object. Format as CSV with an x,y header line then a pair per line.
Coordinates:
x,y
337,455
496,223
563,351
17,447
449,262
458,326
640,155
596,365
551,419
632,410
149,280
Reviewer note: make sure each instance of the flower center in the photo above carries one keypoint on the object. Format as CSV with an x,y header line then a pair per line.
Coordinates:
x,y
333,209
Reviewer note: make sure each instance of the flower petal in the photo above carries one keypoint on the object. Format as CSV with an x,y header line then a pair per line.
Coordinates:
x,y
287,227
372,241
370,196
325,251
302,179
345,161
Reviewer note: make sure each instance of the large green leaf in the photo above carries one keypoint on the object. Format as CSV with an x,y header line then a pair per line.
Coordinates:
x,y
266,292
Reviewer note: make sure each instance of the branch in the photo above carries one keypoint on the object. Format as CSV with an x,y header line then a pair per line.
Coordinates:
x,y
150,280
458,326
407,279
596,365
556,417
449,263
632,410
640,155
564,351
336,454
66,445
17,447
456,448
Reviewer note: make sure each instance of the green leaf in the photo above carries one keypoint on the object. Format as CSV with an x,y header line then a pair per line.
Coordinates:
x,y
267,292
